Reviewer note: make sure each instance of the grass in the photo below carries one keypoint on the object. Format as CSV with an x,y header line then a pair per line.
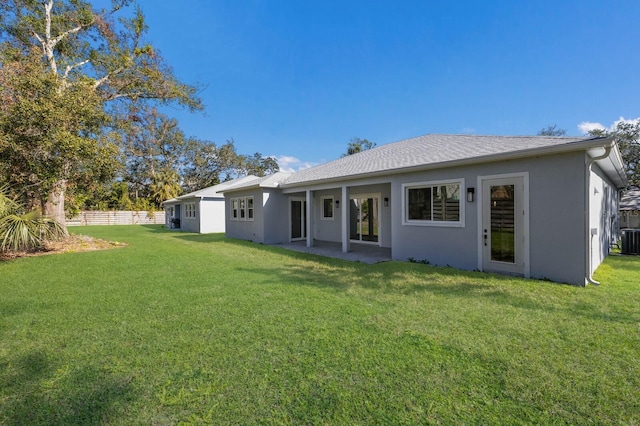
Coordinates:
x,y
197,329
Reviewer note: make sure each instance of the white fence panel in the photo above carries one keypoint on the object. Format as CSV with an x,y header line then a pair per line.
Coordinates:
x,y
125,217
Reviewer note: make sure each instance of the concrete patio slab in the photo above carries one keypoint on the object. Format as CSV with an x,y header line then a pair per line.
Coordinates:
x,y
363,253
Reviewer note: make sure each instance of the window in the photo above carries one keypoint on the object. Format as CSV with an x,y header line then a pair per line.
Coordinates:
x,y
234,209
250,208
327,208
433,203
242,208
190,210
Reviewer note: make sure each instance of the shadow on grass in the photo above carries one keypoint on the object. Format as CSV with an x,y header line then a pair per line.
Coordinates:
x,y
202,238
159,229
406,279
38,393
339,273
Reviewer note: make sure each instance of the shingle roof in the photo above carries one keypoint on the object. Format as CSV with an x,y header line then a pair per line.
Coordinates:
x,y
213,191
430,150
271,181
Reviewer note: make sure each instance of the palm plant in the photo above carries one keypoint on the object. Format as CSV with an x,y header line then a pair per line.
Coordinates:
x,y
164,185
22,231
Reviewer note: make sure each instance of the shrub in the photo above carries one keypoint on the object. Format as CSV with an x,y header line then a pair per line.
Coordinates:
x,y
24,231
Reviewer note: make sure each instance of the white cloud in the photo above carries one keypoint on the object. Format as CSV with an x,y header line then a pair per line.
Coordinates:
x,y
624,120
291,164
586,126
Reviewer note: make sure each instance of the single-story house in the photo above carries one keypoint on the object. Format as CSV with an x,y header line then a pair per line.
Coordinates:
x,y
200,211
540,207
630,209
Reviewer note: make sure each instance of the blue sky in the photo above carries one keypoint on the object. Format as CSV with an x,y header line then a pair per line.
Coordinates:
x,y
298,79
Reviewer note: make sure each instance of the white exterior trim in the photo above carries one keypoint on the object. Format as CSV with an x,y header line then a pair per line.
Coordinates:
x,y
441,223
378,196
525,206
333,207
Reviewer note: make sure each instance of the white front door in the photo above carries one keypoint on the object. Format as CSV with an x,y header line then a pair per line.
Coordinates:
x,y
503,231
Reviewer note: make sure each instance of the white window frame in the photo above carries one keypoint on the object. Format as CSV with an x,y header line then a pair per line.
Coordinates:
x,y
234,209
189,210
242,209
250,209
322,216
430,184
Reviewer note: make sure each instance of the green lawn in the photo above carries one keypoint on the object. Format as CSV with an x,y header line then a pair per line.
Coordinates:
x,y
185,328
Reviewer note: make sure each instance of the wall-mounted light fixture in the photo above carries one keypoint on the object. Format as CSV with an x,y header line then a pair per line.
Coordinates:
x,y
386,201
337,204
470,192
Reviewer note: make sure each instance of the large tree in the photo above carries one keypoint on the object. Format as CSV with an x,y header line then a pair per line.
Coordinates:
x,y
154,148
357,145
208,164
258,165
49,137
627,134
63,64
552,130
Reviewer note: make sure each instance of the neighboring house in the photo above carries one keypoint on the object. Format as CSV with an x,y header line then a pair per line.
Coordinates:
x,y
201,211
540,207
630,209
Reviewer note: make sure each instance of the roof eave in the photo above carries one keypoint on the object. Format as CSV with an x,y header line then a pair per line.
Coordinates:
x,y
613,164
245,188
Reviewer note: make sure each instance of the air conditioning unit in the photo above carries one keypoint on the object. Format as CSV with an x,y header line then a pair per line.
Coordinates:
x,y
630,241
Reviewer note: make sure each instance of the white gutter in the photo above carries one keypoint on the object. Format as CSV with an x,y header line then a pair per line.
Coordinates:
x,y
587,209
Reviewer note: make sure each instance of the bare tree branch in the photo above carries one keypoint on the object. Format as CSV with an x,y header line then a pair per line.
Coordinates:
x,y
58,39
71,67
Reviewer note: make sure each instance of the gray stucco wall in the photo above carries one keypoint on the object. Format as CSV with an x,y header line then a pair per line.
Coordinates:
x,y
327,229
604,215
276,216
186,224
455,246
556,218
250,230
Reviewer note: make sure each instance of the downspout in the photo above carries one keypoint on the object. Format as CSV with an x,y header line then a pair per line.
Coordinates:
x,y
589,236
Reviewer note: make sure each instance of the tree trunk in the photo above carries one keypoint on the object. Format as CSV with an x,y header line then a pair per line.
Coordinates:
x,y
54,207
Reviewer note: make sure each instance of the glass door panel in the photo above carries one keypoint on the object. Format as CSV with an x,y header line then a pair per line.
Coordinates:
x,y
364,219
354,219
503,236
369,222
502,212
298,219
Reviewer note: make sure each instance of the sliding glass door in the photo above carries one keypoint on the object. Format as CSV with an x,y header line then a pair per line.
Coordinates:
x,y
298,214
364,218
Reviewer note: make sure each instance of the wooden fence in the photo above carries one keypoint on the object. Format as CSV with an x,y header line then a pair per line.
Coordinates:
x,y
117,218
